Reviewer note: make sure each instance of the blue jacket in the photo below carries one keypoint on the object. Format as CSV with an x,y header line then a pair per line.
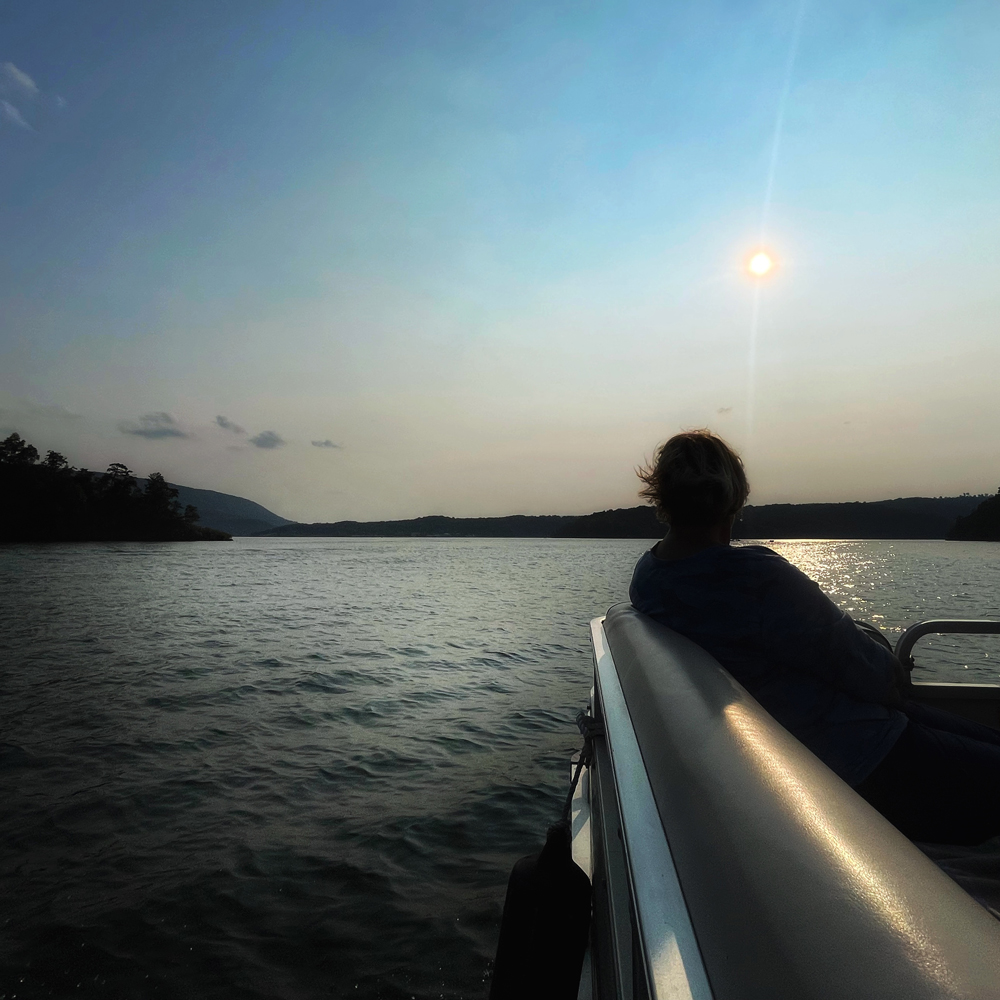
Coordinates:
x,y
786,642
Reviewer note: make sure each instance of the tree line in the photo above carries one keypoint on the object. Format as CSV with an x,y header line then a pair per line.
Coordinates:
x,y
48,500
982,525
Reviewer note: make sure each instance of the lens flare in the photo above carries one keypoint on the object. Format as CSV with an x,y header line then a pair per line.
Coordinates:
x,y
760,264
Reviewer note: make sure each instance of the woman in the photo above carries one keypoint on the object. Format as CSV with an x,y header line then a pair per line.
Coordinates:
x,y
835,687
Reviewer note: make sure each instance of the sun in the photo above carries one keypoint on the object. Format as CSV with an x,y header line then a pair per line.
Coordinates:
x,y
760,264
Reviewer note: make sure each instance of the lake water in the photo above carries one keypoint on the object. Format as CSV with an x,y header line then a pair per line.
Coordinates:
x,y
302,768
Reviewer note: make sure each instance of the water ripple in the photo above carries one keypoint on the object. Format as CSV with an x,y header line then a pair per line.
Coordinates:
x,y
302,768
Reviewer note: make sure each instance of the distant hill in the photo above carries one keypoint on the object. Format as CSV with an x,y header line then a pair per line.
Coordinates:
x,y
982,525
908,517
625,522
433,526
911,517
231,514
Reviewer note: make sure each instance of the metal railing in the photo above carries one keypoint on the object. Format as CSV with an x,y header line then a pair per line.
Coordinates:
x,y
941,626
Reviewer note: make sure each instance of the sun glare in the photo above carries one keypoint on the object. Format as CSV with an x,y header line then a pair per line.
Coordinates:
x,y
760,264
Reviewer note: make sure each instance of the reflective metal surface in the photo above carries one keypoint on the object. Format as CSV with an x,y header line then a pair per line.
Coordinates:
x,y
943,626
670,950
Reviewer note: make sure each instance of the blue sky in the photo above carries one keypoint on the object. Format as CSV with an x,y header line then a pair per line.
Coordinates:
x,y
494,252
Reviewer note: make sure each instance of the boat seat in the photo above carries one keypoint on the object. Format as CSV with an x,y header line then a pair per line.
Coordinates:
x,y
796,887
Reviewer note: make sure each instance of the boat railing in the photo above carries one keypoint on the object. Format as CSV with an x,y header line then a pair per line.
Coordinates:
x,y
978,701
941,626
651,918
793,886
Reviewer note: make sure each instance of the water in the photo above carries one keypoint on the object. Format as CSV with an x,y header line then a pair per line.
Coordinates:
x,y
302,768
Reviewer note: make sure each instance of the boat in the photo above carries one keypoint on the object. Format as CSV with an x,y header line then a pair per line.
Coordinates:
x,y
728,863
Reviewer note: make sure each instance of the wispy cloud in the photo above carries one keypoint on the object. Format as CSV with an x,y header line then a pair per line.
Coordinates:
x,y
12,115
16,79
325,444
228,425
267,439
153,426
19,93
20,408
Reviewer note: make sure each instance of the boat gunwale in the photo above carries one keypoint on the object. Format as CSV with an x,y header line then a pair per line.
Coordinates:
x,y
672,957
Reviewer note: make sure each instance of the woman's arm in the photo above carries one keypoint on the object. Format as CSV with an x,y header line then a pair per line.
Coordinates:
x,y
803,630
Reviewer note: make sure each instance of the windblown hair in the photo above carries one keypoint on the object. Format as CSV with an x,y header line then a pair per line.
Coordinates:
x,y
695,479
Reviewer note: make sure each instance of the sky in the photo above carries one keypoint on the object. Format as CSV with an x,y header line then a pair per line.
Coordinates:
x,y
385,259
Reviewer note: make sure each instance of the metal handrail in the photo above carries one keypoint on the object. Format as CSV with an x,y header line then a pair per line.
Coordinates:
x,y
673,960
941,626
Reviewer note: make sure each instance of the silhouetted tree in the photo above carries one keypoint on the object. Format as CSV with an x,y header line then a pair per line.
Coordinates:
x,y
119,473
982,525
52,501
15,451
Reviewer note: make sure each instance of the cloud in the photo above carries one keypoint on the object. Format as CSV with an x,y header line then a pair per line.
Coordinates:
x,y
11,114
267,439
21,408
18,91
226,424
325,444
14,79
153,426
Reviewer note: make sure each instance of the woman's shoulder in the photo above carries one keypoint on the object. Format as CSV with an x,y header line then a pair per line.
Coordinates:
x,y
791,592
767,566
748,562
648,566
751,551
744,554
759,556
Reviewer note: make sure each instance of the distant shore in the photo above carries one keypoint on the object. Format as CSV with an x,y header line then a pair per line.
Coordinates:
x,y
909,517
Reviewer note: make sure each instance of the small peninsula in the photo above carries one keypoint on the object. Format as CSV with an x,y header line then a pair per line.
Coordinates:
x,y
982,525
47,500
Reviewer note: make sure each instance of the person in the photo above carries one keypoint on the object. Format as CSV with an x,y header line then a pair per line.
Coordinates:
x,y
832,684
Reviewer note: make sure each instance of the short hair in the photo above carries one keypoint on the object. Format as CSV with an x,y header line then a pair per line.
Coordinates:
x,y
695,479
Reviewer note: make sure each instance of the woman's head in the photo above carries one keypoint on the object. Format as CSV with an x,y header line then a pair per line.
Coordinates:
x,y
695,479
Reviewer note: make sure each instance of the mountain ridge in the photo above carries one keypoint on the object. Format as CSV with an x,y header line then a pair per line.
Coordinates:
x,y
903,517
226,511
